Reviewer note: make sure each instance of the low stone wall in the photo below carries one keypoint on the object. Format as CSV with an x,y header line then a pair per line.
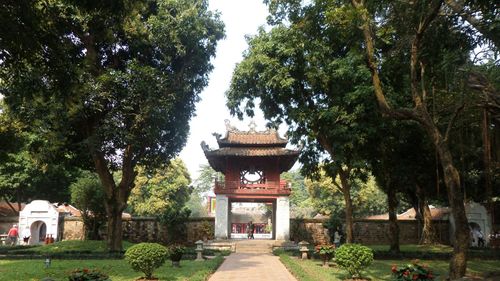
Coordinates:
x,y
371,232
71,228
310,230
148,229
139,229
368,232
194,226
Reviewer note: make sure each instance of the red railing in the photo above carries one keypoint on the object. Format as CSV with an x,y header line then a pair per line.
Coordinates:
x,y
237,187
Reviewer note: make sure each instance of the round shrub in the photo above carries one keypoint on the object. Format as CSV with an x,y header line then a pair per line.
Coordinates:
x,y
353,258
146,257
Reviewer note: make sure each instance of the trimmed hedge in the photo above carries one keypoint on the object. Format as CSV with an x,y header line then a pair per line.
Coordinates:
x,y
353,258
146,257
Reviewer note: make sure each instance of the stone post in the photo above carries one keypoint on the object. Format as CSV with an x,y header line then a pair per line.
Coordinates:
x,y
304,250
199,250
221,217
283,218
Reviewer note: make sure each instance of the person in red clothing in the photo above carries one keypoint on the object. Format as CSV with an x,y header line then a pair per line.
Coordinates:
x,y
13,234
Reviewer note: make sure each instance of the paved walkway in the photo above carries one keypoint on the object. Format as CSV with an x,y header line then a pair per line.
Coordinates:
x,y
250,267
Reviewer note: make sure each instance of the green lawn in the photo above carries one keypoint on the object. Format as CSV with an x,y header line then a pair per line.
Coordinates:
x,y
88,246
118,270
437,248
312,270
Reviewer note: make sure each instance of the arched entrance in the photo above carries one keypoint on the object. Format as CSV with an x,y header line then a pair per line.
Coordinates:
x,y
38,232
41,218
259,212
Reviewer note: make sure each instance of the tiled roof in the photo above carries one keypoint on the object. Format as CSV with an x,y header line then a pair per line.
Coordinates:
x,y
252,152
266,138
6,211
69,210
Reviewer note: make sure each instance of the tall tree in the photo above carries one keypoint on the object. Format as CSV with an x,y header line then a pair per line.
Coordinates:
x,y
305,76
426,31
117,79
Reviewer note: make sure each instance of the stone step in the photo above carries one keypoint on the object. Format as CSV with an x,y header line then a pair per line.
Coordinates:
x,y
255,248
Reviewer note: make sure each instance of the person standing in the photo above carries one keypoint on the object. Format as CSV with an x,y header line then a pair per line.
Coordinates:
x,y
480,238
250,229
12,235
336,238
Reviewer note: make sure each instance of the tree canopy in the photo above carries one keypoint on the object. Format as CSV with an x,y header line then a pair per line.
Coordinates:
x,y
115,80
164,191
324,66
23,176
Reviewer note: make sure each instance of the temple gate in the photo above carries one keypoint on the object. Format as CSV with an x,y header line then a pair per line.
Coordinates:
x,y
251,162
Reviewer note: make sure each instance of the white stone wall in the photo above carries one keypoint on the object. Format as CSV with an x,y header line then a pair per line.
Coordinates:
x,y
282,218
221,217
36,214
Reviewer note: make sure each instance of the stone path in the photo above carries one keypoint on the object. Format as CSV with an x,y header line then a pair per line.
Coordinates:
x,y
254,267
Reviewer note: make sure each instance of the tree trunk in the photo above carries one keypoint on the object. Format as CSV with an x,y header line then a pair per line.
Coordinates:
x,y
393,219
428,233
10,205
116,196
346,191
458,262
419,113
487,160
115,228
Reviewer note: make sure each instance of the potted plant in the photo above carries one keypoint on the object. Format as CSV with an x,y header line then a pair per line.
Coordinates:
x,y
326,252
176,251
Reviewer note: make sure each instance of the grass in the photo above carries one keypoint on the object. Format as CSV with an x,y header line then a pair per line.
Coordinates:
x,y
437,248
312,270
68,246
118,270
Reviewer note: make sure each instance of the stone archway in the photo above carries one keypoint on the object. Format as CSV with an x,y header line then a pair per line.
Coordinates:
x,y
38,231
42,218
260,213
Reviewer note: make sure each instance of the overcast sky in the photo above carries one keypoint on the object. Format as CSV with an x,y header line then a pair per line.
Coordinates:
x,y
241,17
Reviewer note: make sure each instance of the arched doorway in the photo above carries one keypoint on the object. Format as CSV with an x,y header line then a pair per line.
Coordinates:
x,y
38,232
259,212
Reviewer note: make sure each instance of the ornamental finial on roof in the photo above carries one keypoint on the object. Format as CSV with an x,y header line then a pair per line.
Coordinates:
x,y
252,126
229,127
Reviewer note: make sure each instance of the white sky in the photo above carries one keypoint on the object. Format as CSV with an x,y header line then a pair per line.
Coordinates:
x,y
241,17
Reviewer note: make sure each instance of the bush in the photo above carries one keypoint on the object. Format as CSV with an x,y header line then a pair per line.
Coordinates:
x,y
88,196
412,271
353,258
146,257
325,249
88,275
176,251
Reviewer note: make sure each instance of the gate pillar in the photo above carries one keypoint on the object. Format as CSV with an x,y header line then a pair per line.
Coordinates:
x,y
221,217
283,218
